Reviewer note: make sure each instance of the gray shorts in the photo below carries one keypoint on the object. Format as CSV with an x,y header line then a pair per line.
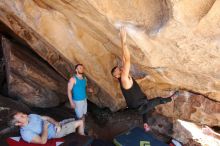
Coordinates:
x,y
81,108
67,126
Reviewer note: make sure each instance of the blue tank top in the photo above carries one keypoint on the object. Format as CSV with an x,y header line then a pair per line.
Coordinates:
x,y
79,89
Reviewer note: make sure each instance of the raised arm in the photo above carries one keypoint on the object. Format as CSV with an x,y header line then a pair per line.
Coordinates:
x,y
125,55
69,91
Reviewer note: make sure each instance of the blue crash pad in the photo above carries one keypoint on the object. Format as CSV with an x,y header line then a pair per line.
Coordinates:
x,y
137,137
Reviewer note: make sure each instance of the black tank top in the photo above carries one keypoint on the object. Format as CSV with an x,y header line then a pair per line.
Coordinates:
x,y
134,95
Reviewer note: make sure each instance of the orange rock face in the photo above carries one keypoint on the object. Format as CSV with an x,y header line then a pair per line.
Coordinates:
x,y
174,44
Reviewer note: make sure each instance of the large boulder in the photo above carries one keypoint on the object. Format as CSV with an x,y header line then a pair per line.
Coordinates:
x,y
30,79
174,44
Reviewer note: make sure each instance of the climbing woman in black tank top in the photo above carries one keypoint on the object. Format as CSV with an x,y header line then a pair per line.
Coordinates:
x,y
131,91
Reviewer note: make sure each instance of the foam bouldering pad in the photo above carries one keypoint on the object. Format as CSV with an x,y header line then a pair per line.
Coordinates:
x,y
18,141
69,140
137,137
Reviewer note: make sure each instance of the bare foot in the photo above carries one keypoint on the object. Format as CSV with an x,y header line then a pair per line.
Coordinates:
x,y
146,127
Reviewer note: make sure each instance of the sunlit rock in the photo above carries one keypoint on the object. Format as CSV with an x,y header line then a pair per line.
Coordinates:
x,y
174,44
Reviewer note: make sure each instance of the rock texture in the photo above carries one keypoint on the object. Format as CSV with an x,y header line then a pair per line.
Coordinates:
x,y
192,107
191,134
30,79
8,105
174,45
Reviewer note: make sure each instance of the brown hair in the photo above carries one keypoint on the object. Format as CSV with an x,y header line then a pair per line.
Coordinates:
x,y
78,65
